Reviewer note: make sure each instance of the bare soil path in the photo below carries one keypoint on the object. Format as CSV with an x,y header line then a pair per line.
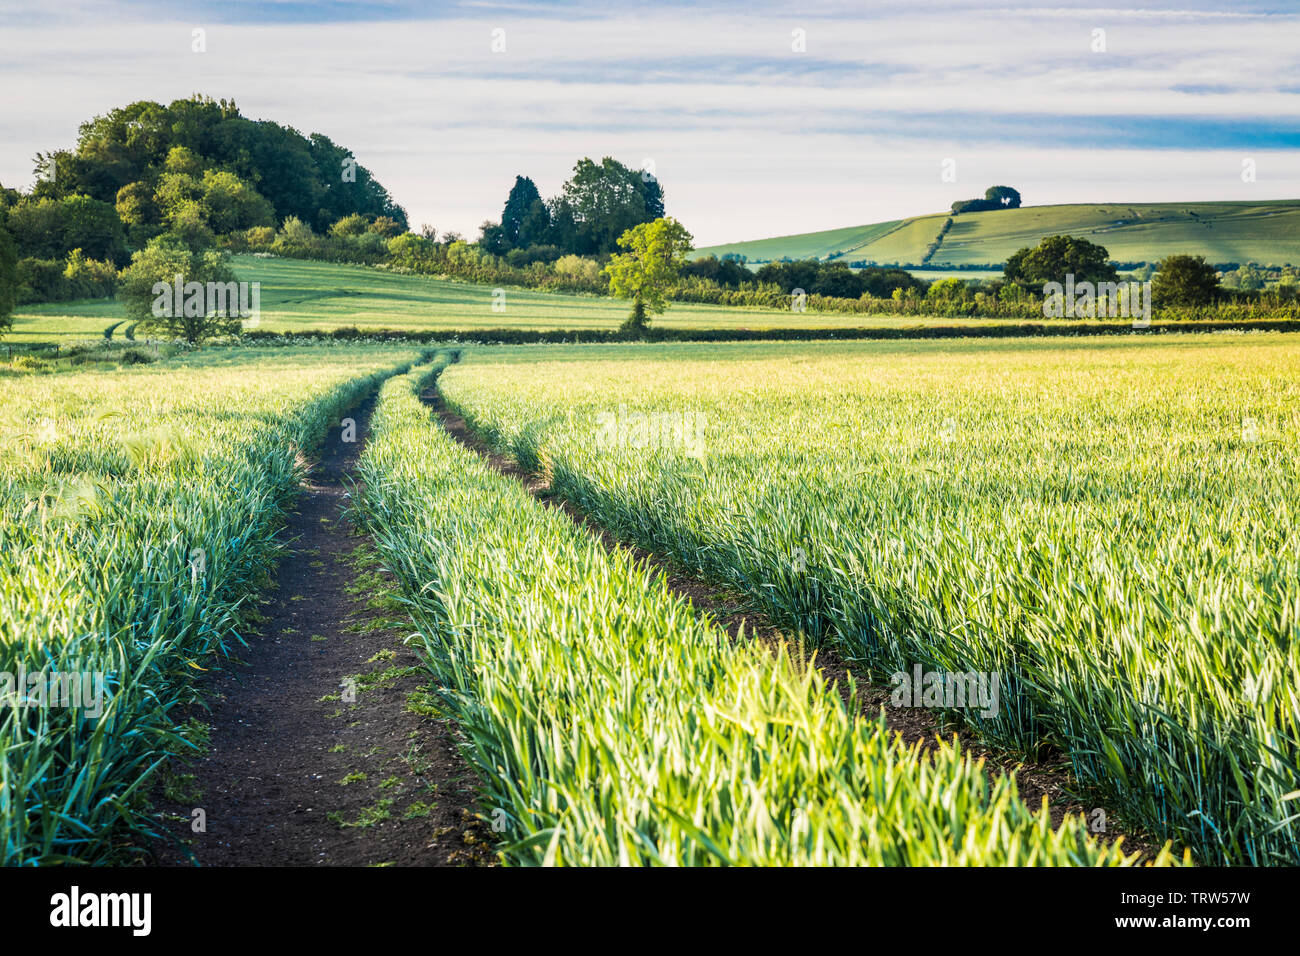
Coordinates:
x,y
324,749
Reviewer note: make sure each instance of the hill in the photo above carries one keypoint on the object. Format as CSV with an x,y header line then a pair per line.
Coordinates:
x,y
1266,232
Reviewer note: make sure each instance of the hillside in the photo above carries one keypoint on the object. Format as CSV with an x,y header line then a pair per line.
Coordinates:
x,y
1265,232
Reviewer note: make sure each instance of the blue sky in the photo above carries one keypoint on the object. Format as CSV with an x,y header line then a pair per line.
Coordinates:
x,y
753,128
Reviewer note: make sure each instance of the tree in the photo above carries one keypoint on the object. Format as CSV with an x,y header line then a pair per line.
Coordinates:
x,y
1184,280
231,205
492,238
518,205
182,291
50,228
1002,197
536,227
602,201
350,225
8,279
656,252
1055,257
139,212
995,197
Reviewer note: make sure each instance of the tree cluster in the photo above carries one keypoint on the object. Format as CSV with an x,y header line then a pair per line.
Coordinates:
x,y
596,206
995,197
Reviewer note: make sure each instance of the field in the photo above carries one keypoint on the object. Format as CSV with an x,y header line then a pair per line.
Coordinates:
x,y
1099,532
1263,232
1106,526
612,726
139,508
301,295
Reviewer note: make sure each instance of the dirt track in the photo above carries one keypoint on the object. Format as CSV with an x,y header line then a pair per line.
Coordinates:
x,y
296,775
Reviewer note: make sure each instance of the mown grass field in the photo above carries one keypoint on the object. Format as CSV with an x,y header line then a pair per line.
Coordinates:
x,y
1266,232
300,295
138,512
1108,526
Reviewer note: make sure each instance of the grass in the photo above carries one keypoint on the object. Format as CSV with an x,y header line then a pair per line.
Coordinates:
x,y
1267,232
138,509
299,295
1108,526
611,725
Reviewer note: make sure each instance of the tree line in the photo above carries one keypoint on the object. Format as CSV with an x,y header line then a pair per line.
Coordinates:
x,y
196,168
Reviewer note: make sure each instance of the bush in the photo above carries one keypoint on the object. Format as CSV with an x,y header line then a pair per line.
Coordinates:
x,y
353,225
41,280
1184,281
89,278
137,357
259,237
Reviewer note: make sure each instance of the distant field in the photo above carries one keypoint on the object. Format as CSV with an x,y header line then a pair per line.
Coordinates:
x,y
808,245
1265,232
298,295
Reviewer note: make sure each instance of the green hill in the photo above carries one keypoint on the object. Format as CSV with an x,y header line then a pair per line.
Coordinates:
x,y
1266,232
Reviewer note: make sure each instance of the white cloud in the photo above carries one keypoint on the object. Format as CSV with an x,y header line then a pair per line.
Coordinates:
x,y
749,137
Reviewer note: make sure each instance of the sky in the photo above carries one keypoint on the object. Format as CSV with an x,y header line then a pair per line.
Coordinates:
x,y
758,119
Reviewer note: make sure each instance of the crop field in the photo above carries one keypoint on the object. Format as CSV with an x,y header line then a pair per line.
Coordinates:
x,y
1103,530
611,725
1263,232
138,510
1107,529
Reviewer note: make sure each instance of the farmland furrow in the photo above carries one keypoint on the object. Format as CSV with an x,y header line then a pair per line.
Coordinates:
x,y
322,751
611,724
739,617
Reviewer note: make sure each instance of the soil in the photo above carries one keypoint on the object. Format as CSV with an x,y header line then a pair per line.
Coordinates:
x,y
296,774
1051,778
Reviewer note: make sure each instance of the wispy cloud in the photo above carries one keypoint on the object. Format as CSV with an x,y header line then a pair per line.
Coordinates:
x,y
750,136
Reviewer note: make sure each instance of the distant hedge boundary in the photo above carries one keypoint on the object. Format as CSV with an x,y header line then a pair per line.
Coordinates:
x,y
600,336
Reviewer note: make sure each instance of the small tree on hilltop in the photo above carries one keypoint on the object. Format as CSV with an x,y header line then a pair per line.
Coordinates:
x,y
656,252
1184,280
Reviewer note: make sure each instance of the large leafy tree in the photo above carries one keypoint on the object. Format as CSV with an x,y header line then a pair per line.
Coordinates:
x,y
1055,257
51,228
602,201
1002,197
149,285
654,256
1184,280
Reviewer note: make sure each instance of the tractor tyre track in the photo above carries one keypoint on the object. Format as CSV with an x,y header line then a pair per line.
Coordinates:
x,y
296,774
1051,779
